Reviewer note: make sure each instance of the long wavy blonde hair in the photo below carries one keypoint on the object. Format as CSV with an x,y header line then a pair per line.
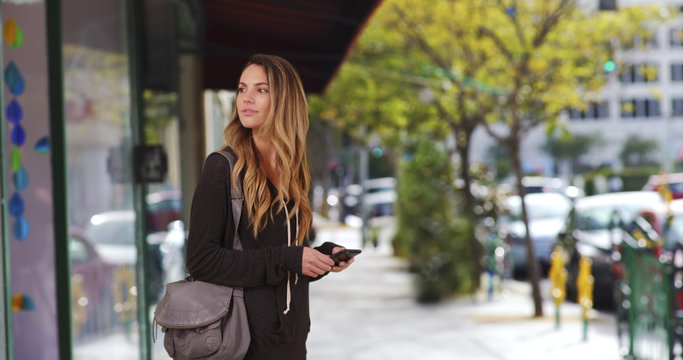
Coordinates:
x,y
287,126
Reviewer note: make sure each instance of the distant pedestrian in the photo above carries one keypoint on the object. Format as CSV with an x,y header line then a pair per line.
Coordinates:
x,y
267,133
615,184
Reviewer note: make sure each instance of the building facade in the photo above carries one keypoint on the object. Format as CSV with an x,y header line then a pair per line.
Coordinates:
x,y
643,98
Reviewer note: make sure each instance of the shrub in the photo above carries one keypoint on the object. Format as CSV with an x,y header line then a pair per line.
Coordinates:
x,y
432,231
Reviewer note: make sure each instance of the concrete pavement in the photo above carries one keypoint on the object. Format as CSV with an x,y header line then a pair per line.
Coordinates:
x,y
369,312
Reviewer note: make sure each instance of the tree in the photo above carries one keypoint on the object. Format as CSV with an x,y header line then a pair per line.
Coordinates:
x,y
497,156
160,111
548,56
571,148
429,219
639,152
445,67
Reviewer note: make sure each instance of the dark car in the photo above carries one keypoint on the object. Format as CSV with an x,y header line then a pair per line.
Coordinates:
x,y
667,222
91,278
163,208
592,230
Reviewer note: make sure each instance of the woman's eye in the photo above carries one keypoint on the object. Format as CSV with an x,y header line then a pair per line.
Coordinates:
x,y
263,90
241,89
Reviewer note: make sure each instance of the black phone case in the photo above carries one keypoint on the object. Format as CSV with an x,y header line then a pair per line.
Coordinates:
x,y
344,255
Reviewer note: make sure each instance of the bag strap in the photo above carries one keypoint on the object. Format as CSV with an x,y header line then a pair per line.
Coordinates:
x,y
236,201
236,197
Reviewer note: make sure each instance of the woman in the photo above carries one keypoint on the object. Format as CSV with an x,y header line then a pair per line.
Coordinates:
x,y
267,133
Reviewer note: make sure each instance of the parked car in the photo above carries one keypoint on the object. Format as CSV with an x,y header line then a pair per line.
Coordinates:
x,y
667,222
543,184
113,234
592,229
91,279
673,180
163,207
539,184
379,196
546,213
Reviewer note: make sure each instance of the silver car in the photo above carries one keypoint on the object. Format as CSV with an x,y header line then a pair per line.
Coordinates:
x,y
547,213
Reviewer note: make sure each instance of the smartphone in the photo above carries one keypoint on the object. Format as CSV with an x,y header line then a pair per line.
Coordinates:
x,y
344,255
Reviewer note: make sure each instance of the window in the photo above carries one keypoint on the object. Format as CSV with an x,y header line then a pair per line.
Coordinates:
x,y
652,108
639,73
606,5
642,43
594,110
676,37
677,72
677,107
641,108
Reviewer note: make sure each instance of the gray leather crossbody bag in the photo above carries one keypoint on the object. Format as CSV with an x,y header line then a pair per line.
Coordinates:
x,y
202,320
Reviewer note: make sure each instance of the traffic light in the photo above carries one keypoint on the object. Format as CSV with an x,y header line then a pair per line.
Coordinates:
x,y
377,151
609,66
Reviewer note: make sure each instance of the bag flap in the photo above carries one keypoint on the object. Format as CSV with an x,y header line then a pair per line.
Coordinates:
x,y
190,304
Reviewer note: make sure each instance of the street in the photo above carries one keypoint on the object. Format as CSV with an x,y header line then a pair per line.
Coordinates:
x,y
369,312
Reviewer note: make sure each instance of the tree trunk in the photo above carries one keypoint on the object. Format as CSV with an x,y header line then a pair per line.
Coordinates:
x,y
532,264
475,248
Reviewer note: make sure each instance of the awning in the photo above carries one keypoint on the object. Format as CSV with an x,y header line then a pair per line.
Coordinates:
x,y
314,35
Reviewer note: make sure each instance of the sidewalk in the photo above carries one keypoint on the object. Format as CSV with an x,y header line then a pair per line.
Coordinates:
x,y
369,312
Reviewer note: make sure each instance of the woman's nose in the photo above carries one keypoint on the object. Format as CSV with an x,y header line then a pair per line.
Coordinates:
x,y
247,96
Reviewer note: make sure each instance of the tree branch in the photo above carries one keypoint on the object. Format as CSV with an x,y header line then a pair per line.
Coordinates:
x,y
419,41
515,22
497,41
552,21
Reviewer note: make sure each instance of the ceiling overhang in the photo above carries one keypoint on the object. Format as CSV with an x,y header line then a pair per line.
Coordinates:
x,y
314,35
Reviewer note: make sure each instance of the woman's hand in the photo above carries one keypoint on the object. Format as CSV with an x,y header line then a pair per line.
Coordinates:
x,y
342,264
314,263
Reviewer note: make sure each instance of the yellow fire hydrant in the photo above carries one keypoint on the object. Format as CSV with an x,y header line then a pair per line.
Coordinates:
x,y
584,285
558,280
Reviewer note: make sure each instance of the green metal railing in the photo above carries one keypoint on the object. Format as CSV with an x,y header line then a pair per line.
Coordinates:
x,y
648,319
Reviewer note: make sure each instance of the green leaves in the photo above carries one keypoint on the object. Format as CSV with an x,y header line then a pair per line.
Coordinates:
x,y
432,229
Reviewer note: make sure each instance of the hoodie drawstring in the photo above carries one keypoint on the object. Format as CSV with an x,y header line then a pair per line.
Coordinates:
x,y
290,243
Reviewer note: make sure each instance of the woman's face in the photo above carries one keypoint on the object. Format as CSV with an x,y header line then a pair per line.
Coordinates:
x,y
253,97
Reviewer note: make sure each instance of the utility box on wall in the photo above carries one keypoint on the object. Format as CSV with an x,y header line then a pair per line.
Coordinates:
x,y
150,164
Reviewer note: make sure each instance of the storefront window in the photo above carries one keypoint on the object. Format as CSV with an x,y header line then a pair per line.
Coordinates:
x,y
28,231
164,198
97,95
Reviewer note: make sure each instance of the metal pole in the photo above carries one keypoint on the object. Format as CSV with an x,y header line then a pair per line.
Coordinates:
x,y
363,174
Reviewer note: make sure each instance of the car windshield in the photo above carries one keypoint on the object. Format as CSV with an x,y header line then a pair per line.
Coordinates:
x,y
165,205
598,218
374,190
545,211
541,208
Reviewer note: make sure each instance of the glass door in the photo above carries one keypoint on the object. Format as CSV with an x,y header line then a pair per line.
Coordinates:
x,y
98,107
3,248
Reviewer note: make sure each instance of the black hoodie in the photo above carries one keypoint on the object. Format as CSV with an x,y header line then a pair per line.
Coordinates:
x,y
263,267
